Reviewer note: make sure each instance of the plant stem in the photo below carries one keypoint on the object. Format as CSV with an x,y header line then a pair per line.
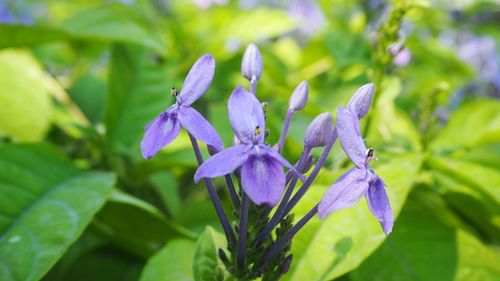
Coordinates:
x,y
242,234
253,85
287,237
284,132
305,186
281,207
235,200
213,196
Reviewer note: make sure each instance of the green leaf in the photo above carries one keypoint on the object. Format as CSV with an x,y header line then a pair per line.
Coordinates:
x,y
173,262
326,249
23,89
137,94
136,225
45,204
206,261
424,239
88,93
22,35
471,125
116,23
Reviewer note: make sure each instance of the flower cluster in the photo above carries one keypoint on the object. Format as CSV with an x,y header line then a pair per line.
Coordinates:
x,y
258,168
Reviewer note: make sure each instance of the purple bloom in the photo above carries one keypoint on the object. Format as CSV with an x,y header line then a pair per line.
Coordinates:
x,y
166,126
261,167
359,181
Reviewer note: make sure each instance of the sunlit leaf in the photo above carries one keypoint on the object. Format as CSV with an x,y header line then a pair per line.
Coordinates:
x,y
329,248
26,104
173,262
45,204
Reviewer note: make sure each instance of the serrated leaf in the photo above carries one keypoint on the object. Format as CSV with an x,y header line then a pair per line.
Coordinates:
x,y
326,249
23,89
173,262
206,261
45,204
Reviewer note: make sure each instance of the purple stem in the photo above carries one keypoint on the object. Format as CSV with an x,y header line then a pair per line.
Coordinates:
x,y
287,237
302,190
232,192
284,132
213,195
281,207
242,234
253,85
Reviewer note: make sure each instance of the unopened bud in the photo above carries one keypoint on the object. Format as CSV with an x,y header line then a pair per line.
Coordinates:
x,y
299,96
361,100
285,266
251,65
319,131
308,164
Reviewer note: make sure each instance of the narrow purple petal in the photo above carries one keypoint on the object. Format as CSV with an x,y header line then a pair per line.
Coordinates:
x,y
199,127
198,80
345,192
223,162
245,115
379,205
263,179
360,102
350,137
160,132
275,154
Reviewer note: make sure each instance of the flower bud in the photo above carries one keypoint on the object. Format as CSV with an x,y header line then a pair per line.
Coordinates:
x,y
361,100
251,65
319,131
299,96
308,164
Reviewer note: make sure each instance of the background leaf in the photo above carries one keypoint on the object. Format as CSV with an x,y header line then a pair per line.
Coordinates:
x,y
206,260
46,203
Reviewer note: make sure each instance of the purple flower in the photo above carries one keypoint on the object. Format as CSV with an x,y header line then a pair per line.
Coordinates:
x,y
261,167
166,126
359,181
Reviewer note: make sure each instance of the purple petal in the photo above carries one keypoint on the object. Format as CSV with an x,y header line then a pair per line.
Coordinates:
x,y
198,80
245,115
350,137
199,127
345,192
223,162
379,205
361,100
263,179
275,154
159,132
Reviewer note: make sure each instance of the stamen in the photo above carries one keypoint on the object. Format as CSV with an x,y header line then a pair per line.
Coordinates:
x,y
174,92
370,155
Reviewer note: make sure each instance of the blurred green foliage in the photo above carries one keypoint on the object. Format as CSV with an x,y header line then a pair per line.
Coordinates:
x,y
80,79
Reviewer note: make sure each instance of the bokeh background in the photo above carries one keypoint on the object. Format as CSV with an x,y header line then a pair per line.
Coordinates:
x,y
80,79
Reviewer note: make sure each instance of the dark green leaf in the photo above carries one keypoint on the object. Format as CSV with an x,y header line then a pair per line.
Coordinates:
x,y
45,204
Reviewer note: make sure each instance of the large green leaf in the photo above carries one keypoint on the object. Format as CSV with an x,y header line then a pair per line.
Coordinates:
x,y
329,248
26,105
471,125
45,204
136,225
137,93
426,240
113,22
22,35
206,262
173,262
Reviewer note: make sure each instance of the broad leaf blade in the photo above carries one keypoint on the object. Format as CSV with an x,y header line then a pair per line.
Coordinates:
x,y
205,262
173,262
329,248
46,205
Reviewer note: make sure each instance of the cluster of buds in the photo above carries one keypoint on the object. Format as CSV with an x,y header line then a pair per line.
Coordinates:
x,y
258,244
